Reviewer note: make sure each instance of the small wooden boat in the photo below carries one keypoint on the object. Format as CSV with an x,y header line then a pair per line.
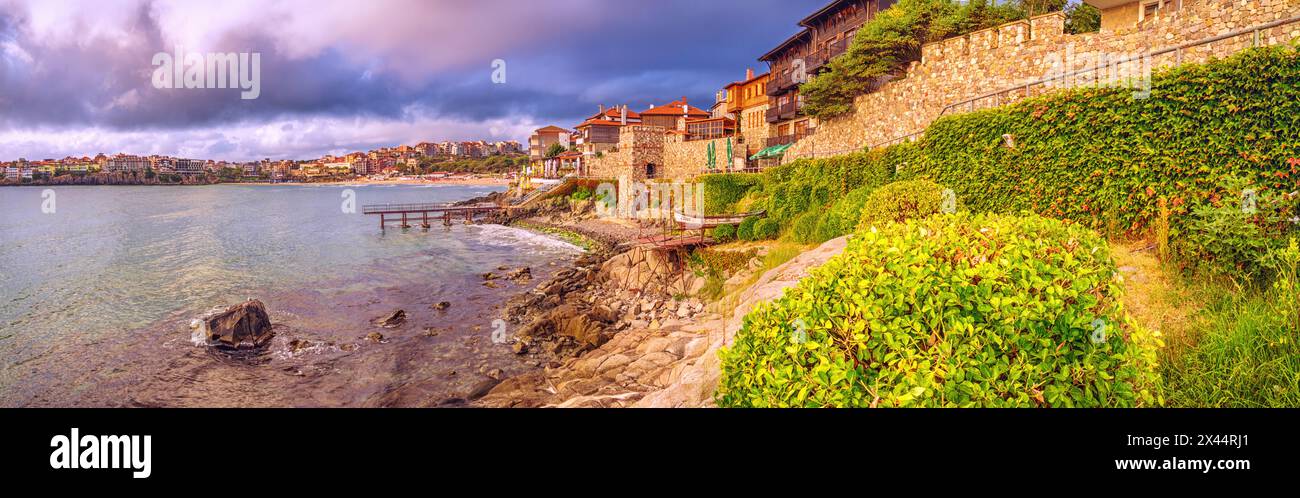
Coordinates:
x,y
688,222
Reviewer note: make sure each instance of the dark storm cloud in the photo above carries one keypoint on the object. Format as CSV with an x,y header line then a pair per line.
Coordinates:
x,y
563,58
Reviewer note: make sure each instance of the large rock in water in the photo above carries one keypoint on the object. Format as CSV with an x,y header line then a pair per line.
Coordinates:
x,y
241,325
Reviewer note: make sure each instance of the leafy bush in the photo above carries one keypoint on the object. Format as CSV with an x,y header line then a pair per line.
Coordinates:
x,y
723,191
842,217
724,233
1224,238
1221,240
1098,153
581,193
766,229
1103,158
808,185
555,150
1286,288
715,266
1082,18
804,229
901,201
745,231
709,261
963,310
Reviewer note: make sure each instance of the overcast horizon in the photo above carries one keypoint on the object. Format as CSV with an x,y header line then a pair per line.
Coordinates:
x,y
338,77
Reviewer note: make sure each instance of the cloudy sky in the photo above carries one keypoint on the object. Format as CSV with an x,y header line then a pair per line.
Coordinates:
x,y
339,76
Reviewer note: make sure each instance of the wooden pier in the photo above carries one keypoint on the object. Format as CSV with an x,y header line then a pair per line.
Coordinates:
x,y
407,213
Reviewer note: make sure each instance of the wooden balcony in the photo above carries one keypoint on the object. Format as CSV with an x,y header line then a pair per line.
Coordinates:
x,y
789,139
788,111
781,83
821,57
815,60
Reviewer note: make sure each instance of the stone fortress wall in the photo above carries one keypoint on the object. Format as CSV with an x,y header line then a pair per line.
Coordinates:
x,y
1022,52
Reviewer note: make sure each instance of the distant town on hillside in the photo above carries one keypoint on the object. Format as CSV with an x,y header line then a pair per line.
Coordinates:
x,y
480,157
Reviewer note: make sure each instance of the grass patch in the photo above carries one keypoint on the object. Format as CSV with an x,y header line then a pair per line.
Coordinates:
x,y
1240,353
713,264
1226,346
778,254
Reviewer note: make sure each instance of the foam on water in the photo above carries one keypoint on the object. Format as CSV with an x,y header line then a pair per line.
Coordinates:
x,y
500,235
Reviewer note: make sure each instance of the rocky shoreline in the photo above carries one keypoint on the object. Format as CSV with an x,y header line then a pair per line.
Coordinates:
x,y
625,325
662,352
622,325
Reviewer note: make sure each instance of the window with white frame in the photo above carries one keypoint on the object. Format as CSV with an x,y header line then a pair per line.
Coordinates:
x,y
1153,8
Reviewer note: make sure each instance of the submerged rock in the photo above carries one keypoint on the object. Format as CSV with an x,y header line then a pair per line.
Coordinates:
x,y
391,320
523,273
242,325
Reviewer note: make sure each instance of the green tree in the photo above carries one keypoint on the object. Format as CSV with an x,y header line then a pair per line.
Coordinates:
x,y
1032,8
555,150
887,43
1082,18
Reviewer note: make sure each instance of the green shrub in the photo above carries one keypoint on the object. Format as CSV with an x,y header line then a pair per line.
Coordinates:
x,y
723,191
901,201
724,233
807,185
715,266
709,261
1286,288
1103,157
766,229
1222,241
1082,18
1225,239
963,310
804,229
745,231
581,193
842,217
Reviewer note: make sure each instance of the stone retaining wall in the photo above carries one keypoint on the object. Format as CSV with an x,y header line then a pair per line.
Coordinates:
x,y
1021,52
684,160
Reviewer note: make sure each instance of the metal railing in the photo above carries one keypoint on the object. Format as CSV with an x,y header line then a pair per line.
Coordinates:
x,y
537,192
895,141
789,139
1178,50
423,207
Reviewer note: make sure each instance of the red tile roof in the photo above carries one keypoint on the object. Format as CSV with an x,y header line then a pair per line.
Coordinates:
x,y
674,108
599,122
551,129
616,113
